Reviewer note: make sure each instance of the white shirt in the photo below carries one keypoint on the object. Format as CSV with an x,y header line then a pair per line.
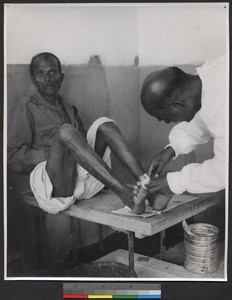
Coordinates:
x,y
209,121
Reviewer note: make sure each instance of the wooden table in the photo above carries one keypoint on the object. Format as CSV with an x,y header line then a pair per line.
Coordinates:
x,y
98,209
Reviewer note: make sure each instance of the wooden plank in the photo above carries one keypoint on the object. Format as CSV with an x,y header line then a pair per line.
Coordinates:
x,y
94,210
182,212
98,209
147,267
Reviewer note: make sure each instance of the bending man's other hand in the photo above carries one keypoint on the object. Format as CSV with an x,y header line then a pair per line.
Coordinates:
x,y
159,161
159,185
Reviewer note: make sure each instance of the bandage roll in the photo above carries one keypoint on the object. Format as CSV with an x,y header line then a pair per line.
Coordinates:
x,y
145,181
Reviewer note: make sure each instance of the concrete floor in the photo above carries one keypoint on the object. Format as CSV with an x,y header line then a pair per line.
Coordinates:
x,y
147,255
146,249
171,267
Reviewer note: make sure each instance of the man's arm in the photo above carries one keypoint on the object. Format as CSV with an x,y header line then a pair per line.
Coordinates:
x,y
186,136
79,122
201,178
21,156
206,177
183,138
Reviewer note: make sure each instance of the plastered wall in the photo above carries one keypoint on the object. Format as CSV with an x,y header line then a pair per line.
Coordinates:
x,y
182,33
72,32
161,34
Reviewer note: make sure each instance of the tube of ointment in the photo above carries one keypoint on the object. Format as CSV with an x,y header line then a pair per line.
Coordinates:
x,y
145,181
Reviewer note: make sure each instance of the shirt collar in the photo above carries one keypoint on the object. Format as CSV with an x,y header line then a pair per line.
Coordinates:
x,y
39,99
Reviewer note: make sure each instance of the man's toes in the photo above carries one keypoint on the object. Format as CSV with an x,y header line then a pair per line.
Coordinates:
x,y
135,192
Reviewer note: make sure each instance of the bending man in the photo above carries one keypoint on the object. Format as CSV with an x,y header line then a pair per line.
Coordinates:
x,y
198,103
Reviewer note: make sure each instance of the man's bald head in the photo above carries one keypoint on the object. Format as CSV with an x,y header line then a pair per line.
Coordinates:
x,y
171,95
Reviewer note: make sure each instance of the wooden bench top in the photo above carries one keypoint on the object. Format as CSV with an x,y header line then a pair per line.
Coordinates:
x,y
98,209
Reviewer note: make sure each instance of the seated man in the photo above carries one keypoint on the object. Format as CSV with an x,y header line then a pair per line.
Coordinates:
x,y
47,136
198,103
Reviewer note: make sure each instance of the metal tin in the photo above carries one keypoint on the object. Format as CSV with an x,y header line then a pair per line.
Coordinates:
x,y
202,260
200,270
201,248
201,243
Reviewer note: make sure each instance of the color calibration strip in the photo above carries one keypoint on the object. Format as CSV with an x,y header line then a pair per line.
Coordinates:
x,y
111,291
125,296
111,296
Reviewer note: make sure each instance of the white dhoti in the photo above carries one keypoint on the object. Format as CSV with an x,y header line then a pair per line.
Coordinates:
x,y
86,184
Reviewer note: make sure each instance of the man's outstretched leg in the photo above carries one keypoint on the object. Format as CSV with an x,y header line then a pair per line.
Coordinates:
x,y
109,134
69,146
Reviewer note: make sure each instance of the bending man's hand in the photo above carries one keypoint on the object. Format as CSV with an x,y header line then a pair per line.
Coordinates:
x,y
159,185
159,161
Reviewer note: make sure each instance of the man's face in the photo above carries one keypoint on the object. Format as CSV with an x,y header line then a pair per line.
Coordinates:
x,y
46,76
174,114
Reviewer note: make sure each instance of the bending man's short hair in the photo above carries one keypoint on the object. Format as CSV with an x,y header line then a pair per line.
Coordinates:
x,y
44,55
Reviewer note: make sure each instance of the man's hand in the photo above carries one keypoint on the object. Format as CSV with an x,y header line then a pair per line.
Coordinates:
x,y
159,185
159,161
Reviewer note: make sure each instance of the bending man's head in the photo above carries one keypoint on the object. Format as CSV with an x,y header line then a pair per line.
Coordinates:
x,y
171,95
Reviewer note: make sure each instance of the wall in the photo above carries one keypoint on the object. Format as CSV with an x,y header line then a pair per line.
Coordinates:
x,y
72,32
182,33
162,34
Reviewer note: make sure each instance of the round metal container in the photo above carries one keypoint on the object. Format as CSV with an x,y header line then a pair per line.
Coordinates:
x,y
201,248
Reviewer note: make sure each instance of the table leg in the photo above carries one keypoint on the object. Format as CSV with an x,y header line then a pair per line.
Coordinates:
x,y
131,236
74,240
162,247
100,228
38,233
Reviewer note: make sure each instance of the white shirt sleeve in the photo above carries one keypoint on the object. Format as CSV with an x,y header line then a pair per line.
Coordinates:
x,y
201,178
185,136
209,121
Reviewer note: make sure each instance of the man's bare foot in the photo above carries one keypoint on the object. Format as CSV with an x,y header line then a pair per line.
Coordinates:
x,y
140,195
135,199
159,201
139,199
